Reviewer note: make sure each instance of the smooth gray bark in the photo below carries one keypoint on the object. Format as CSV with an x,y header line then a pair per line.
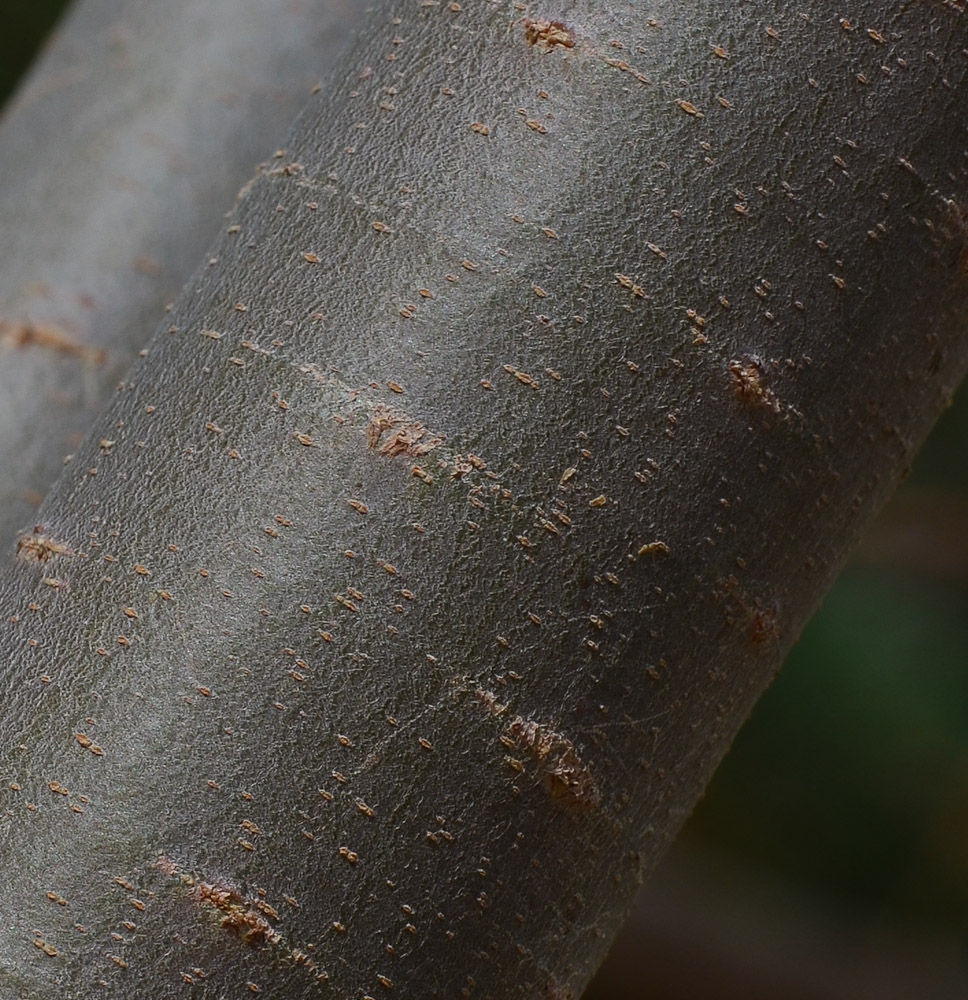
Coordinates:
x,y
118,159
399,608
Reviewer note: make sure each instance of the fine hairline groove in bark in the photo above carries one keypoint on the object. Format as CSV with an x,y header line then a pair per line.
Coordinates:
x,y
440,712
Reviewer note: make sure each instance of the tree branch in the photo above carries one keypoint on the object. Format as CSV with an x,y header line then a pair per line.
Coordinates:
x,y
119,157
402,603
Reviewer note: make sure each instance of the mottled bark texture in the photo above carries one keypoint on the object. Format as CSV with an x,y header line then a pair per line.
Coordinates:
x,y
118,160
399,608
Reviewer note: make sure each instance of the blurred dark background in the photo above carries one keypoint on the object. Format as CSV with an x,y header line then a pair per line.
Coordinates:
x,y
829,858
23,26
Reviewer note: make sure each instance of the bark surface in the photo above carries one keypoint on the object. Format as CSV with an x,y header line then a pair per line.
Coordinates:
x,y
118,160
399,608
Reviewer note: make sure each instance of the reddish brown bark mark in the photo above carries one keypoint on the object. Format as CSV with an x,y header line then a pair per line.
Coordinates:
x,y
489,700
642,78
568,776
50,338
548,34
239,917
405,437
761,621
764,626
85,741
554,991
244,918
45,946
957,229
750,385
38,547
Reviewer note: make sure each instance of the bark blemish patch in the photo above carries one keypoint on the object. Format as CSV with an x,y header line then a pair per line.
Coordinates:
x,y
242,918
760,620
489,700
568,776
395,434
238,915
749,384
957,229
555,991
764,626
38,547
49,337
548,35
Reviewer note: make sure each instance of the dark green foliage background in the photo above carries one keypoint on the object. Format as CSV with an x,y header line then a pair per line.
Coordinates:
x,y
851,778
852,774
